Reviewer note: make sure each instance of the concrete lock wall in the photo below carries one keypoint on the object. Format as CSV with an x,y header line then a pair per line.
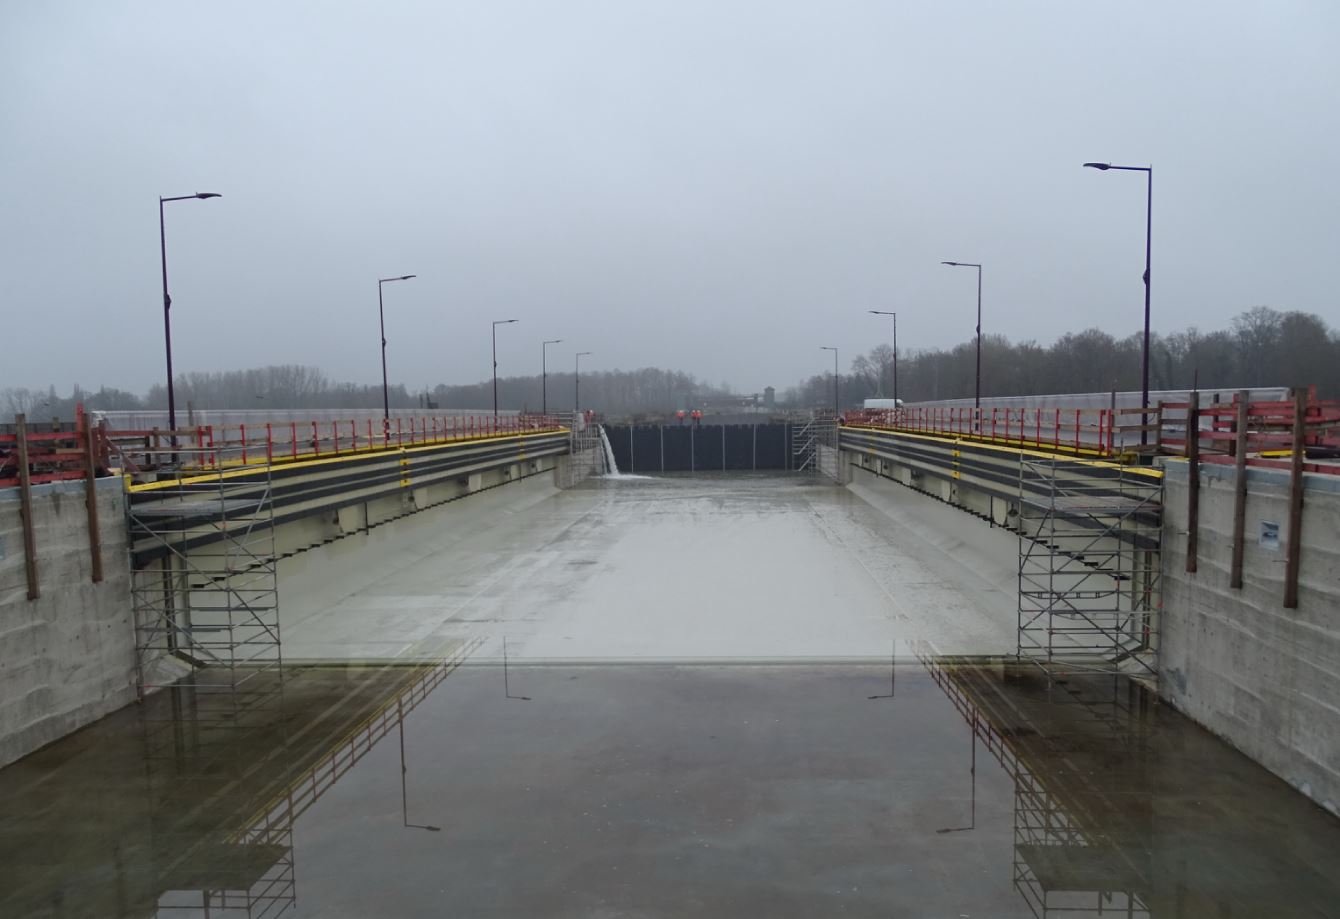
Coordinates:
x,y
321,526
68,657
1263,677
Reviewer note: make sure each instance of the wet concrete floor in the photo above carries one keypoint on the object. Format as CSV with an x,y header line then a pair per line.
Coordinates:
x,y
939,787
707,567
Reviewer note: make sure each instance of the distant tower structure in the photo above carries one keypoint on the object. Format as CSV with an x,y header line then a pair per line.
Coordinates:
x,y
769,397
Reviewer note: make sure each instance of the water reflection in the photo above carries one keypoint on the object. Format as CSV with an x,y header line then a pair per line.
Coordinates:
x,y
1065,860
983,788
196,817
1123,807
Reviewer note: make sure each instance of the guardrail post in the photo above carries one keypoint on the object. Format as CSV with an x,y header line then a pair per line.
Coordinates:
x,y
1293,552
243,429
1193,481
88,432
1239,488
269,444
26,508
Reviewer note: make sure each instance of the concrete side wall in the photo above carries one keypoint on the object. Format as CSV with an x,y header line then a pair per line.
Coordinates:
x,y
68,657
1263,677
324,526
940,483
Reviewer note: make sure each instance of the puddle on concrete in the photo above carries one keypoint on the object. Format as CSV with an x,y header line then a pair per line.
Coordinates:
x,y
933,789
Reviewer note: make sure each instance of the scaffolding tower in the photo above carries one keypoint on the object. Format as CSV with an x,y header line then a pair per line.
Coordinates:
x,y
814,444
1089,582
585,449
203,573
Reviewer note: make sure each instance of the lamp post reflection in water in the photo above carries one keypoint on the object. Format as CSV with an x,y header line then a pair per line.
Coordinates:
x,y
404,789
893,675
972,771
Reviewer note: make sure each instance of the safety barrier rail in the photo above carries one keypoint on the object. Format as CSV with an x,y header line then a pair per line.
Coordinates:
x,y
215,446
56,455
1264,433
1084,431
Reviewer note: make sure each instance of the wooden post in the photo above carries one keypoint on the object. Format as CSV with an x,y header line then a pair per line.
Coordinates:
x,y
26,508
91,497
1239,489
1193,480
1293,550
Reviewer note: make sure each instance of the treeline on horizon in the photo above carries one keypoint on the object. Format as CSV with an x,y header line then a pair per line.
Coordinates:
x,y
616,392
1263,347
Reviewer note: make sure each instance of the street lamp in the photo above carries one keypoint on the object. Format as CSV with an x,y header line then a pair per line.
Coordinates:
x,y
836,411
544,373
577,383
977,397
1149,226
496,323
381,318
167,301
895,350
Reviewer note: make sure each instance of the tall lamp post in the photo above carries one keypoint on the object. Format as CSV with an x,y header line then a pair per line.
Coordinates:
x,y
381,318
1149,227
895,350
167,301
496,323
544,373
977,389
836,411
577,383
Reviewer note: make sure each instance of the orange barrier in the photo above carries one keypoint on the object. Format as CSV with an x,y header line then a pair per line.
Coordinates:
x,y
1087,431
210,446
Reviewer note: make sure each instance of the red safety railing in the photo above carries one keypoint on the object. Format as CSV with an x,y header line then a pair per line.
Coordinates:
x,y
1263,431
215,446
1083,431
52,455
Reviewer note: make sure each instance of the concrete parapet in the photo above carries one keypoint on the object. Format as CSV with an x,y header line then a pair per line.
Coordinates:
x,y
67,657
1263,677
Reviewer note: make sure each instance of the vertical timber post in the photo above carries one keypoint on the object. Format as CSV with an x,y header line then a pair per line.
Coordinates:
x,y
723,446
91,497
661,428
1294,549
1193,480
1239,489
632,466
26,507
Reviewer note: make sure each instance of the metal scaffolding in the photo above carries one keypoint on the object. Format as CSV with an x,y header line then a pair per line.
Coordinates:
x,y
814,444
1089,582
203,574
585,449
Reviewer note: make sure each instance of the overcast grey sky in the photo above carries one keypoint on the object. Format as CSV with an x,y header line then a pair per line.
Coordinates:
x,y
720,187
